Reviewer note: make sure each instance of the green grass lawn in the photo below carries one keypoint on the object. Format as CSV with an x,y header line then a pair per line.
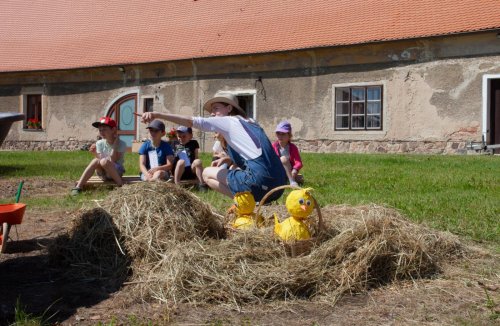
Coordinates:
x,y
460,194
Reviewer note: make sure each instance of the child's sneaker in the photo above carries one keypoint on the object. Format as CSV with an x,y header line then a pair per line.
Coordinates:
x,y
300,179
76,191
202,187
294,184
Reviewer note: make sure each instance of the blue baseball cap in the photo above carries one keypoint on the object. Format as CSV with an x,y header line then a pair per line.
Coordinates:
x,y
156,124
185,129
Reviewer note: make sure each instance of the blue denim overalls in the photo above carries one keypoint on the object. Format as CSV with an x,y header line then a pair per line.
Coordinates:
x,y
261,174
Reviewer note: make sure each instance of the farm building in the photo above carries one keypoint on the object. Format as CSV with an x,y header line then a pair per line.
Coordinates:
x,y
351,76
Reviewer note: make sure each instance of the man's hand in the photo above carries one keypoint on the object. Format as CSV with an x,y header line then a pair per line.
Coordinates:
x,y
153,170
148,176
221,161
148,117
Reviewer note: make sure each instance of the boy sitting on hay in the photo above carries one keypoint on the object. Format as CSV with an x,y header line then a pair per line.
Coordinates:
x,y
109,155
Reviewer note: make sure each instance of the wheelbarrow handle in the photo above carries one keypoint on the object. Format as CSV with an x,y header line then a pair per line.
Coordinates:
x,y
18,195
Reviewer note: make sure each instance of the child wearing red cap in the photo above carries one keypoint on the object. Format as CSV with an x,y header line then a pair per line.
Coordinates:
x,y
109,155
288,152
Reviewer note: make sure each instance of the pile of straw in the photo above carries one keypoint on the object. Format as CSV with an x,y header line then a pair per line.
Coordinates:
x,y
376,245
155,217
90,250
361,247
178,253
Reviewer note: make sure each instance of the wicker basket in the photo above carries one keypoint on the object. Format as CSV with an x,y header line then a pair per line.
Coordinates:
x,y
298,247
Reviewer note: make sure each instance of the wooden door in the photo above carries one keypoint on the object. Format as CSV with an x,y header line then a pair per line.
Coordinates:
x,y
123,112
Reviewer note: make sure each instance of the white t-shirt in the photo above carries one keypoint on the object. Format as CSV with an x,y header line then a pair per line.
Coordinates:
x,y
285,151
106,150
217,148
233,132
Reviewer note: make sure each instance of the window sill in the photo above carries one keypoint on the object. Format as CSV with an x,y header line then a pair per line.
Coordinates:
x,y
359,134
33,130
357,131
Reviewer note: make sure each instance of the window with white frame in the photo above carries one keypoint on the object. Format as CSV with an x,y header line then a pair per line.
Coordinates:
x,y
246,100
147,104
358,108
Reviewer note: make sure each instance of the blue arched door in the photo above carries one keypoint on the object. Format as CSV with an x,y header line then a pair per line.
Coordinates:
x,y
123,112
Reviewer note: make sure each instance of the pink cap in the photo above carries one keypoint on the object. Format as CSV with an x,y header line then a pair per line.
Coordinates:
x,y
284,126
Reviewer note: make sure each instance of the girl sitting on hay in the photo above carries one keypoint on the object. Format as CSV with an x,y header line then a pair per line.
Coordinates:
x,y
248,147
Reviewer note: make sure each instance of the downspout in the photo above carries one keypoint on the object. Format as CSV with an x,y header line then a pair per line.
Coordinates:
x,y
486,104
200,108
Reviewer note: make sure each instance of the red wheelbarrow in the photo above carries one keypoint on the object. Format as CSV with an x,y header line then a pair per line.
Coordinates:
x,y
10,214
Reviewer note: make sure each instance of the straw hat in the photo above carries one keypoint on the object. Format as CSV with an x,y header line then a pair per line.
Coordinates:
x,y
224,97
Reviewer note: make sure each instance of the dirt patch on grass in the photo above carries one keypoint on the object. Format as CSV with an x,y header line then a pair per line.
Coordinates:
x,y
465,292
34,187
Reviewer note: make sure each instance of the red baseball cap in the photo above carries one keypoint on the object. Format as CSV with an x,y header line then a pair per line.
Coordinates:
x,y
107,121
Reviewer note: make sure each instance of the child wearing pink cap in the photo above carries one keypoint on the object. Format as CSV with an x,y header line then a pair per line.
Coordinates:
x,y
288,152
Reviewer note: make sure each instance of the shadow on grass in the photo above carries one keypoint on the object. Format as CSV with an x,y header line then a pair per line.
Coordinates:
x,y
9,171
81,269
26,246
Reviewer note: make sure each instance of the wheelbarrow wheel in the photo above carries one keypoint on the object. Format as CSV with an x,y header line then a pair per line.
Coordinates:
x,y
4,236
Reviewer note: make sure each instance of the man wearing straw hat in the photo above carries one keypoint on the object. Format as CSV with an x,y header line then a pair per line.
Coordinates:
x,y
260,169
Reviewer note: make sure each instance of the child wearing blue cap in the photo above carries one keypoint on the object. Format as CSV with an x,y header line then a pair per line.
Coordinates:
x,y
187,163
156,157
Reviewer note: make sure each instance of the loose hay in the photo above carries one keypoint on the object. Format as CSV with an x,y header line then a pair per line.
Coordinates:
x,y
367,246
171,238
153,217
376,245
91,249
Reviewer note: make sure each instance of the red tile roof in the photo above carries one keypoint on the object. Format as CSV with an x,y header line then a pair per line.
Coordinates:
x,y
62,34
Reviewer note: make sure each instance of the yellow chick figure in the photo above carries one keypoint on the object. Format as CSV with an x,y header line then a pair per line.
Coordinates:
x,y
245,205
300,205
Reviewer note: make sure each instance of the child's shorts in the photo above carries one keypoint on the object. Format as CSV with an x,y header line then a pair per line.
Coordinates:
x,y
166,176
244,180
188,174
118,167
223,166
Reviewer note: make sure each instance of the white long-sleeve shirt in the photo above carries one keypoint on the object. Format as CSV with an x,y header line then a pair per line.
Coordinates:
x,y
233,132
